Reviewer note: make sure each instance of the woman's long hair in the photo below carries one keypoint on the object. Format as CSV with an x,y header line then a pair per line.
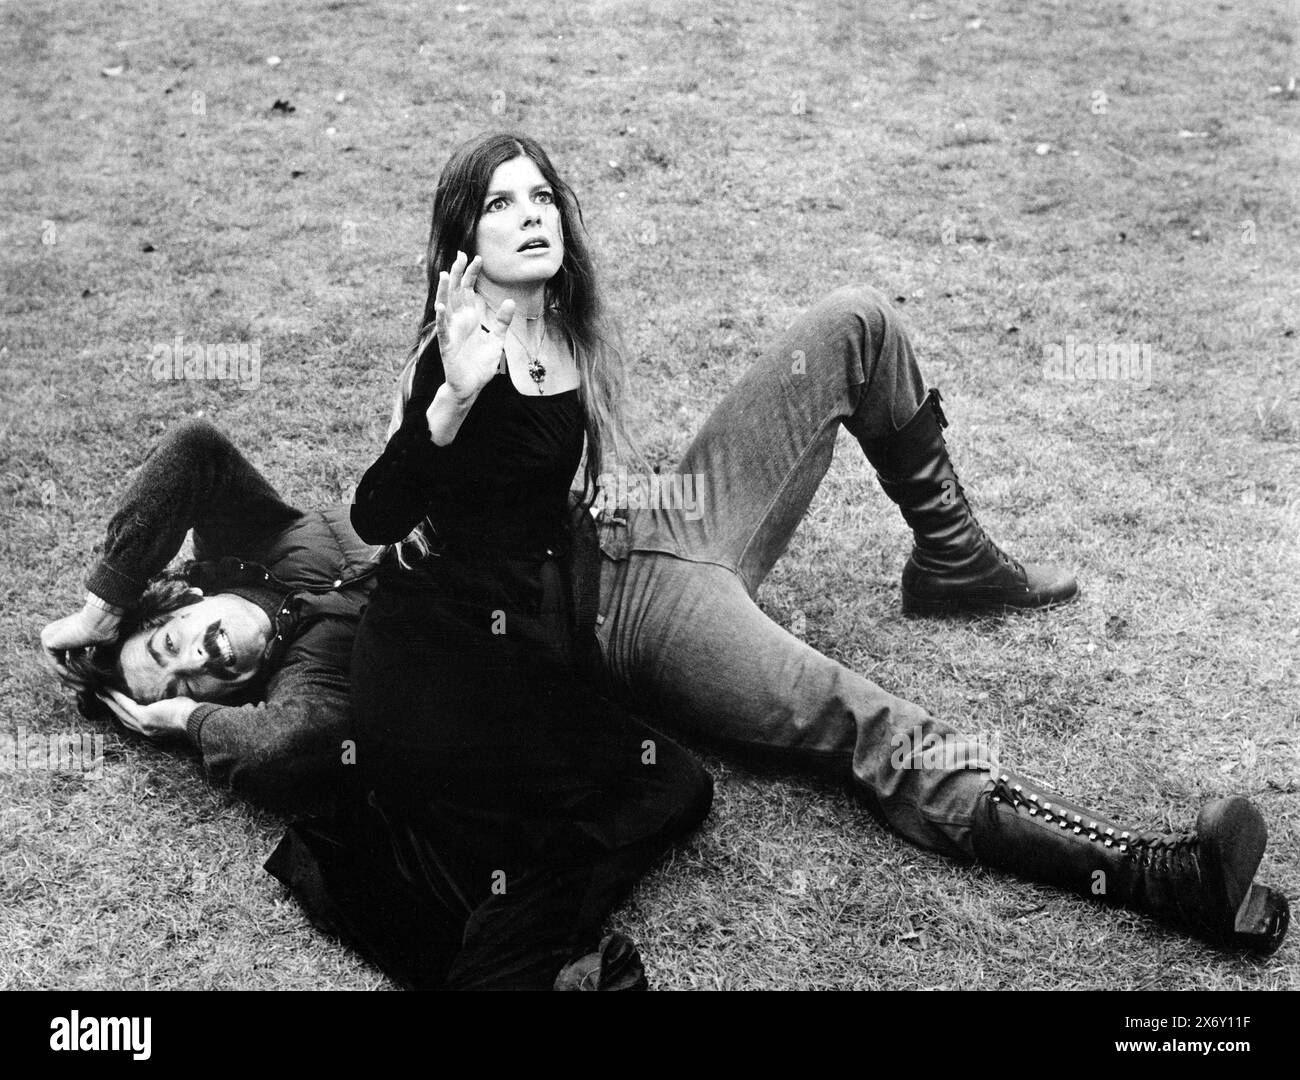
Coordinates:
x,y
571,294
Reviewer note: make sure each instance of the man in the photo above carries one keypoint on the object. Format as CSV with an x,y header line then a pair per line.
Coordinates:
x,y
247,653
677,628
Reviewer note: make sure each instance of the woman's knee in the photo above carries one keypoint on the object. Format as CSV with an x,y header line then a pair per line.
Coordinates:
x,y
194,437
685,783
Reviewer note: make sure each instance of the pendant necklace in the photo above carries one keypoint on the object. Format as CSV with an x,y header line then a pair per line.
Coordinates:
x,y
536,369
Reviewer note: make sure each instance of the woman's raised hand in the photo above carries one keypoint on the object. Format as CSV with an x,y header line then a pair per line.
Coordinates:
x,y
471,355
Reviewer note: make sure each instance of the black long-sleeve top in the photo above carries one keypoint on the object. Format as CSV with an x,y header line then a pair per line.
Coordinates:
x,y
501,486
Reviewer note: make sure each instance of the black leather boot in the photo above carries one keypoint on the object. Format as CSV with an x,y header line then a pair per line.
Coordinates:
x,y
1201,883
954,565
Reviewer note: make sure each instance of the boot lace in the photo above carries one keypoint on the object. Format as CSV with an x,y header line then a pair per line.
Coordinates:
x,y
1002,556
936,399
1166,853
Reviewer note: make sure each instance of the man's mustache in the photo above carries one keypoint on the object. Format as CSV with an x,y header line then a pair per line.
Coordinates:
x,y
217,664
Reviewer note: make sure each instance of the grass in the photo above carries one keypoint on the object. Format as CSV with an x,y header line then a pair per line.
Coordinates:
x,y
735,162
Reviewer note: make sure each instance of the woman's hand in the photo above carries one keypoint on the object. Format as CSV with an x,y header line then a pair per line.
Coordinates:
x,y
470,356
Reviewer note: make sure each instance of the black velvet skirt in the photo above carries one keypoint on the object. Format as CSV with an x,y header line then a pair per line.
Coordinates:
x,y
504,806
472,717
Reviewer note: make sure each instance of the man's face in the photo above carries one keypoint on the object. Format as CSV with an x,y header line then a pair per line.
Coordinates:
x,y
205,651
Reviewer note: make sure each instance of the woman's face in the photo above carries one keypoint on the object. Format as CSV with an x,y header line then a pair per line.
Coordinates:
x,y
519,236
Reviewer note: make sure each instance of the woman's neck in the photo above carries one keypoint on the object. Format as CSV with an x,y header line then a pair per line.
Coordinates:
x,y
530,299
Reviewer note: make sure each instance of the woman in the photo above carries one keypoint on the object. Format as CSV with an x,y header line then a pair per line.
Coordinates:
x,y
517,805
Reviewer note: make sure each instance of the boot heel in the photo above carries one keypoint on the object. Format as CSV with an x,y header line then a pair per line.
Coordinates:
x,y
1261,921
913,605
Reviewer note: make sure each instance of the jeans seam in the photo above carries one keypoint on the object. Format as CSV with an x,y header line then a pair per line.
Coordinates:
x,y
780,490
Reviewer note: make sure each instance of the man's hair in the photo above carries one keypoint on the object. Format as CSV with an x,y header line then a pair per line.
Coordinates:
x,y
97,665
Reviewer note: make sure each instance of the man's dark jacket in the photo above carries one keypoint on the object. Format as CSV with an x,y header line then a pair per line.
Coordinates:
x,y
308,570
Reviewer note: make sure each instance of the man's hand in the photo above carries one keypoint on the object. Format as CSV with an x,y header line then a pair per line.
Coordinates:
x,y
163,719
89,626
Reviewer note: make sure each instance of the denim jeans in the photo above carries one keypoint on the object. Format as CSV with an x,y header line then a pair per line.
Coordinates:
x,y
679,631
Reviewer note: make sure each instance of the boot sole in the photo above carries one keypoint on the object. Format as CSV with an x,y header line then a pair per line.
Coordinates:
x,y
917,605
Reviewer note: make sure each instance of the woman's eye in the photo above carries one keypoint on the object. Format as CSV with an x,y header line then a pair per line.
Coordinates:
x,y
171,645
545,197
496,204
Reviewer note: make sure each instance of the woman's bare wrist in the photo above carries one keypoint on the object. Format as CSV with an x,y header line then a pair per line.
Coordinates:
x,y
446,413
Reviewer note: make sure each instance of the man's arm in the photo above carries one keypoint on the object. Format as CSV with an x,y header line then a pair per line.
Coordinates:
x,y
299,738
195,478
95,624
275,750
296,741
